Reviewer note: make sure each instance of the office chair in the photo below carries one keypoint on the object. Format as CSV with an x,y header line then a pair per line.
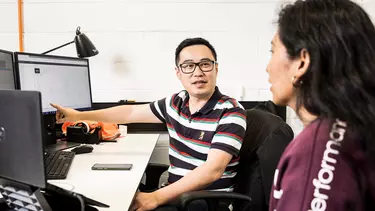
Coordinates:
x,y
266,138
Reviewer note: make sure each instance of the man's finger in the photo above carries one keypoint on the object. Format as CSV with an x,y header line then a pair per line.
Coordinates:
x,y
56,106
60,115
60,121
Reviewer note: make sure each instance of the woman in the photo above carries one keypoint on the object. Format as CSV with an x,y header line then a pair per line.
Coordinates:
x,y
323,67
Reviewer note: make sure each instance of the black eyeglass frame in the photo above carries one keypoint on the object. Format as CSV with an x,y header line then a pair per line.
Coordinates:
x,y
214,63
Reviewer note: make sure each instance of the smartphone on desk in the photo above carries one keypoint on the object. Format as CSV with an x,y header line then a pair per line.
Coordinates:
x,y
112,166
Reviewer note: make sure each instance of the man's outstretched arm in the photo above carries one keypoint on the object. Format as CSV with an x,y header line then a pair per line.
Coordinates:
x,y
118,114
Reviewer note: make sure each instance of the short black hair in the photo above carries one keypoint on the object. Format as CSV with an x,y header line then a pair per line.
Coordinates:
x,y
193,41
340,80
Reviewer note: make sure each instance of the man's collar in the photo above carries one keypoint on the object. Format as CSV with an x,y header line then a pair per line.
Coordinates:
x,y
211,103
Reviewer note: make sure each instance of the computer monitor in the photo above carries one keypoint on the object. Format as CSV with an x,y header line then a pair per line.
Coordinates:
x,y
22,154
7,79
61,80
21,146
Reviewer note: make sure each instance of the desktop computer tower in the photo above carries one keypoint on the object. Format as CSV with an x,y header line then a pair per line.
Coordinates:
x,y
49,130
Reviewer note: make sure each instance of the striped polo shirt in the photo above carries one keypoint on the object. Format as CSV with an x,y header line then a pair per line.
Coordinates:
x,y
219,124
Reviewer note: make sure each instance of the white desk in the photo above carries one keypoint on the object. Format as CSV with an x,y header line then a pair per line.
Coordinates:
x,y
115,188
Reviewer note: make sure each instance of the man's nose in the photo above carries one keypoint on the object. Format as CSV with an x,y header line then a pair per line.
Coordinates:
x,y
198,72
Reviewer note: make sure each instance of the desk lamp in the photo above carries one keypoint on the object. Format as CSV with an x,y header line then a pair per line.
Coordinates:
x,y
84,46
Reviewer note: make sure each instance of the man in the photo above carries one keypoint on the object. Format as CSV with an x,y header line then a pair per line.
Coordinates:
x,y
206,128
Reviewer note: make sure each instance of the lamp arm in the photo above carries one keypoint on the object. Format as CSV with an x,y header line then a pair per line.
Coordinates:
x,y
59,47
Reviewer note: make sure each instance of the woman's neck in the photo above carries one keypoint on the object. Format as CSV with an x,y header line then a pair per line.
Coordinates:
x,y
305,116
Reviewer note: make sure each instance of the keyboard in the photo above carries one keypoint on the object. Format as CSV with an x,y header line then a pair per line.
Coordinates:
x,y
58,164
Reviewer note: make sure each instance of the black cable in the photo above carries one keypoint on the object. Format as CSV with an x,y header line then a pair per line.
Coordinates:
x,y
81,201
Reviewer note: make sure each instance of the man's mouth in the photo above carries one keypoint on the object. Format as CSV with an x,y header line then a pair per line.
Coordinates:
x,y
200,82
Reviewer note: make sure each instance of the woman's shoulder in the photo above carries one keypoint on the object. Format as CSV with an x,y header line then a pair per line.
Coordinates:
x,y
323,139
305,141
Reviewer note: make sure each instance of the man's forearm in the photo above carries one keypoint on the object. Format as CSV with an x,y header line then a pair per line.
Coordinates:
x,y
197,179
117,114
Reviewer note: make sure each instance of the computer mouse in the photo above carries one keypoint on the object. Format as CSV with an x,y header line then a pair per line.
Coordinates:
x,y
83,149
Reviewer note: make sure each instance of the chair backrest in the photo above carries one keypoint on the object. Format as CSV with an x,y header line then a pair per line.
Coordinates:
x,y
266,138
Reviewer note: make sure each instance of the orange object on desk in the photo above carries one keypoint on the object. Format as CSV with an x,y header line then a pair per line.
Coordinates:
x,y
108,131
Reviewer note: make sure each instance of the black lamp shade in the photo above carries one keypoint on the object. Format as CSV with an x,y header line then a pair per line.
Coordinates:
x,y
84,46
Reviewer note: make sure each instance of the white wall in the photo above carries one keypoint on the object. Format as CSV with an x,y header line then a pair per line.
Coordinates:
x,y
9,25
137,38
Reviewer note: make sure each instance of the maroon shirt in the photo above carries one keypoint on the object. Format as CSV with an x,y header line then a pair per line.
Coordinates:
x,y
321,169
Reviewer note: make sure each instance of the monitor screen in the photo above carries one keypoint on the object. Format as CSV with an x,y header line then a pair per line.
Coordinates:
x,y
6,71
61,80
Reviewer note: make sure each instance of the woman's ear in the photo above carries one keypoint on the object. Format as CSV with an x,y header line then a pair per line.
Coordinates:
x,y
304,64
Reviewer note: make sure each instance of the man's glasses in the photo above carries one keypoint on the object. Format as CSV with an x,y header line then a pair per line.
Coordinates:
x,y
204,66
